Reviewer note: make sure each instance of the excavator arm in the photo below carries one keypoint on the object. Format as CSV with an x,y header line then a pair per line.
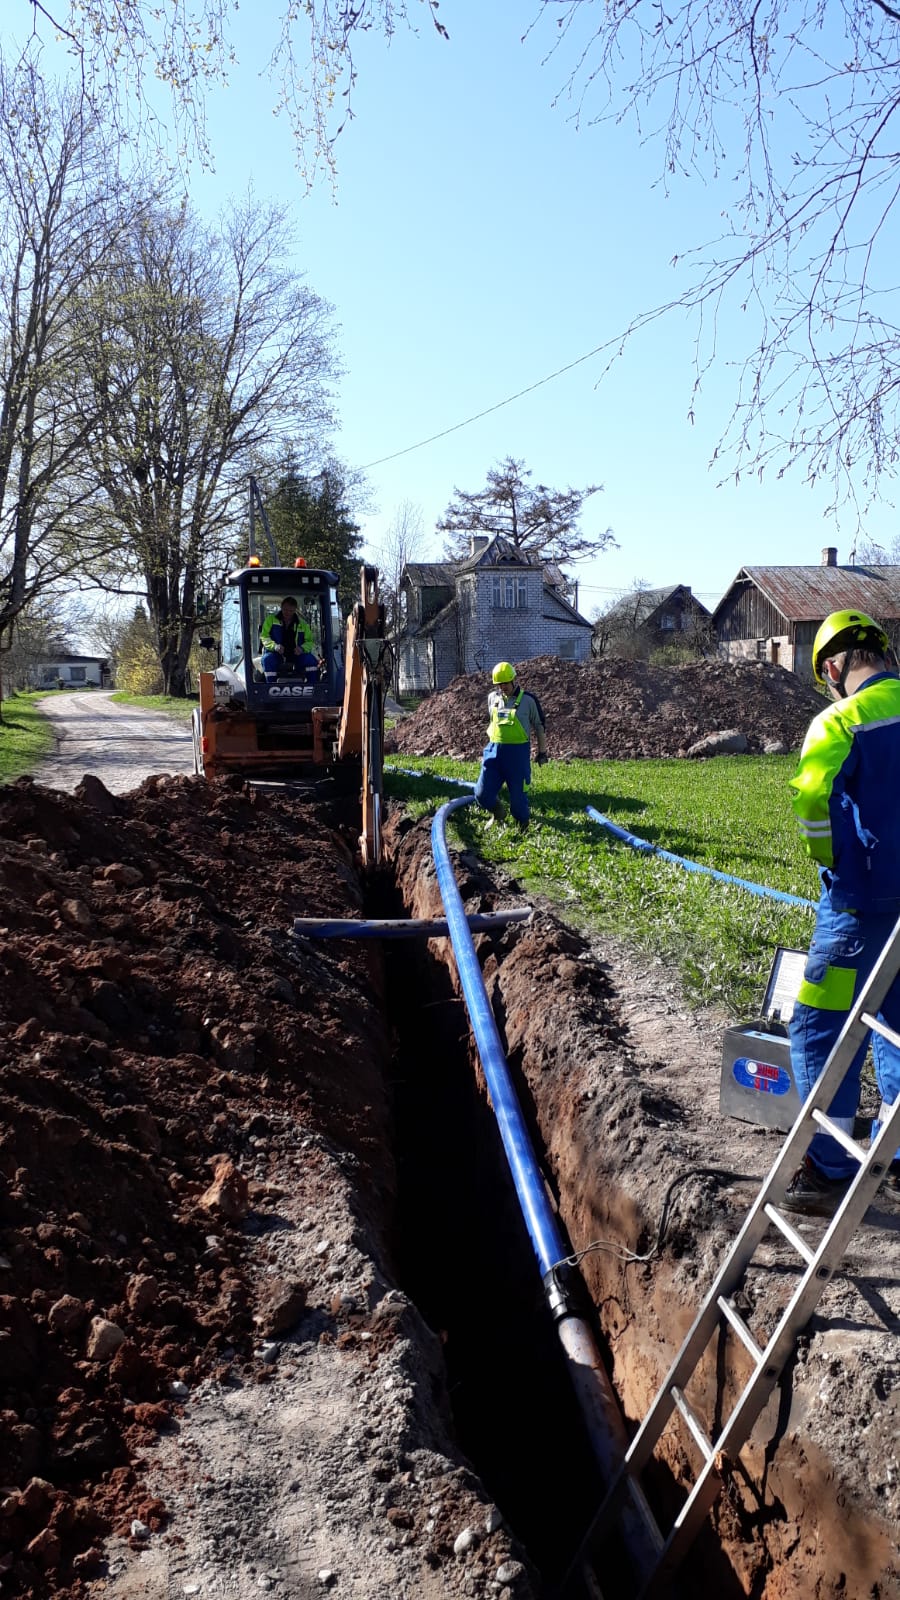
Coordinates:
x,y
367,675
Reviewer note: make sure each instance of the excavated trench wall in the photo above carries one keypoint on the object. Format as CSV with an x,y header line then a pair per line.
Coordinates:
x,y
811,1508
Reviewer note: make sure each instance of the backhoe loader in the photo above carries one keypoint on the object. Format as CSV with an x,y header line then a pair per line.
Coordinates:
x,y
269,716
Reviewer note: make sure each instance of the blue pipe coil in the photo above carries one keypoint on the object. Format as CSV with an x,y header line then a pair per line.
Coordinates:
x,y
695,866
526,1176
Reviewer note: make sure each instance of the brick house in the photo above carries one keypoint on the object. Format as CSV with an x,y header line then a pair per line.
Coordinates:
x,y
495,605
774,613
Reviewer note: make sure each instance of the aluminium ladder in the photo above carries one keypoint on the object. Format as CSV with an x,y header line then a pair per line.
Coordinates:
x,y
719,1313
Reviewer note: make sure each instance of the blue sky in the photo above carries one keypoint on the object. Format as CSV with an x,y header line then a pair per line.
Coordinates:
x,y
477,242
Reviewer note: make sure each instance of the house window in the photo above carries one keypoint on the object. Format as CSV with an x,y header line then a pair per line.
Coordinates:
x,y
78,674
566,649
667,622
510,593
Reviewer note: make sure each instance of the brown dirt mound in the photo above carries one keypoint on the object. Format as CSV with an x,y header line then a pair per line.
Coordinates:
x,y
606,710
154,1036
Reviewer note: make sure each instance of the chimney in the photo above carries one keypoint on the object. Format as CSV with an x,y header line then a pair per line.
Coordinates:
x,y
477,543
829,556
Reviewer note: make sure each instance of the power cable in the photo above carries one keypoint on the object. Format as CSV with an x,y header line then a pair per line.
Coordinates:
x,y
490,409
631,1255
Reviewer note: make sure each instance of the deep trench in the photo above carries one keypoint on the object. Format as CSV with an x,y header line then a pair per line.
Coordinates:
x,y
463,1256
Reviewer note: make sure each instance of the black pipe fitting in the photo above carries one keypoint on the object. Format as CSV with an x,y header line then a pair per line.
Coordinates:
x,y
565,1292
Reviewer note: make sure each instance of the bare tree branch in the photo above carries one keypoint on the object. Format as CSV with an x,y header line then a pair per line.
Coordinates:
x,y
793,105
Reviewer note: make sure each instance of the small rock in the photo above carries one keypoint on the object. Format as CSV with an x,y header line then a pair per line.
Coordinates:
x,y
464,1541
493,1520
139,1529
228,1193
729,742
76,913
509,1572
141,1292
103,1340
282,1304
67,1314
269,1353
326,1576
179,1390
127,877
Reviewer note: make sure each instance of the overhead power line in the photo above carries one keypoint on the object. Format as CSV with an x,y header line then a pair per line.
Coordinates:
x,y
498,407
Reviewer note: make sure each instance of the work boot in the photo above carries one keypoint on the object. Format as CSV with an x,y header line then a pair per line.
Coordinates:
x,y
811,1193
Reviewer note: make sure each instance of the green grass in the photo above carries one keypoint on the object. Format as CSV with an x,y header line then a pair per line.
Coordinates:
x,y
25,735
731,813
180,709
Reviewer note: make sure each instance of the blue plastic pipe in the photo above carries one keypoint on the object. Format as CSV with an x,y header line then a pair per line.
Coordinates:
x,y
529,1184
437,777
695,866
594,1392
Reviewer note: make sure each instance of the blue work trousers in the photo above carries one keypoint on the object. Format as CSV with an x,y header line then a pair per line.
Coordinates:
x,y
843,942
508,764
303,666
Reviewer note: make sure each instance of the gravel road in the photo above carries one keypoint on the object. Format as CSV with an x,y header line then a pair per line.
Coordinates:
x,y
120,744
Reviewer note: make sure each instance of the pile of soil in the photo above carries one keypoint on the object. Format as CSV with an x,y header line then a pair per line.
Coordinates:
x,y
196,1176
615,709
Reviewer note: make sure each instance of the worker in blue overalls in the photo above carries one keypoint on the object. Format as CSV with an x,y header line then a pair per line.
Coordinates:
x,y
514,717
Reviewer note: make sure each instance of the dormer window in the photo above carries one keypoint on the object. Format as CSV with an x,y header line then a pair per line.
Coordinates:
x,y
510,592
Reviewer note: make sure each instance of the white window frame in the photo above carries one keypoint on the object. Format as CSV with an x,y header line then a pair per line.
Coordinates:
x,y
509,593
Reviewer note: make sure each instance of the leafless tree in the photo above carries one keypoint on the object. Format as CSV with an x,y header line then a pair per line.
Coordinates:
x,y
540,522
402,543
61,213
119,51
617,630
218,347
792,109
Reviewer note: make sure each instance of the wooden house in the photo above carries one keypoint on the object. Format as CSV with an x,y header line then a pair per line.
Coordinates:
x,y
774,613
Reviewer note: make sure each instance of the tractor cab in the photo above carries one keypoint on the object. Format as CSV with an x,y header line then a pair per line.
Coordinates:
x,y
281,640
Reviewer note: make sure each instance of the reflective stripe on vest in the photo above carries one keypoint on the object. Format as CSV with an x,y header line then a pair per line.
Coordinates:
x,y
504,726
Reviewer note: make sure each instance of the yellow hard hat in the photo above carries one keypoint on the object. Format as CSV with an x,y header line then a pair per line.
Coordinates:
x,y
504,672
846,630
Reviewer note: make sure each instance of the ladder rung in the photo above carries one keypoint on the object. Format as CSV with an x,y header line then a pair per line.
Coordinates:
x,y
696,1431
740,1328
849,1144
882,1028
791,1234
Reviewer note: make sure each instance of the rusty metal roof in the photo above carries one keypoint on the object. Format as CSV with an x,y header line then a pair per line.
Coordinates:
x,y
808,594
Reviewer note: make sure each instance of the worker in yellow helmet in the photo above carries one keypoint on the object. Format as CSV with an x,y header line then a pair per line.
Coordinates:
x,y
845,798
513,717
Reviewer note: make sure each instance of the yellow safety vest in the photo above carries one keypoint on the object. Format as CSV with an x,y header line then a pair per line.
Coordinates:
x,y
504,726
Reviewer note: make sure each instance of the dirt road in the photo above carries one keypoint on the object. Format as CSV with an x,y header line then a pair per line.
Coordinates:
x,y
120,744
